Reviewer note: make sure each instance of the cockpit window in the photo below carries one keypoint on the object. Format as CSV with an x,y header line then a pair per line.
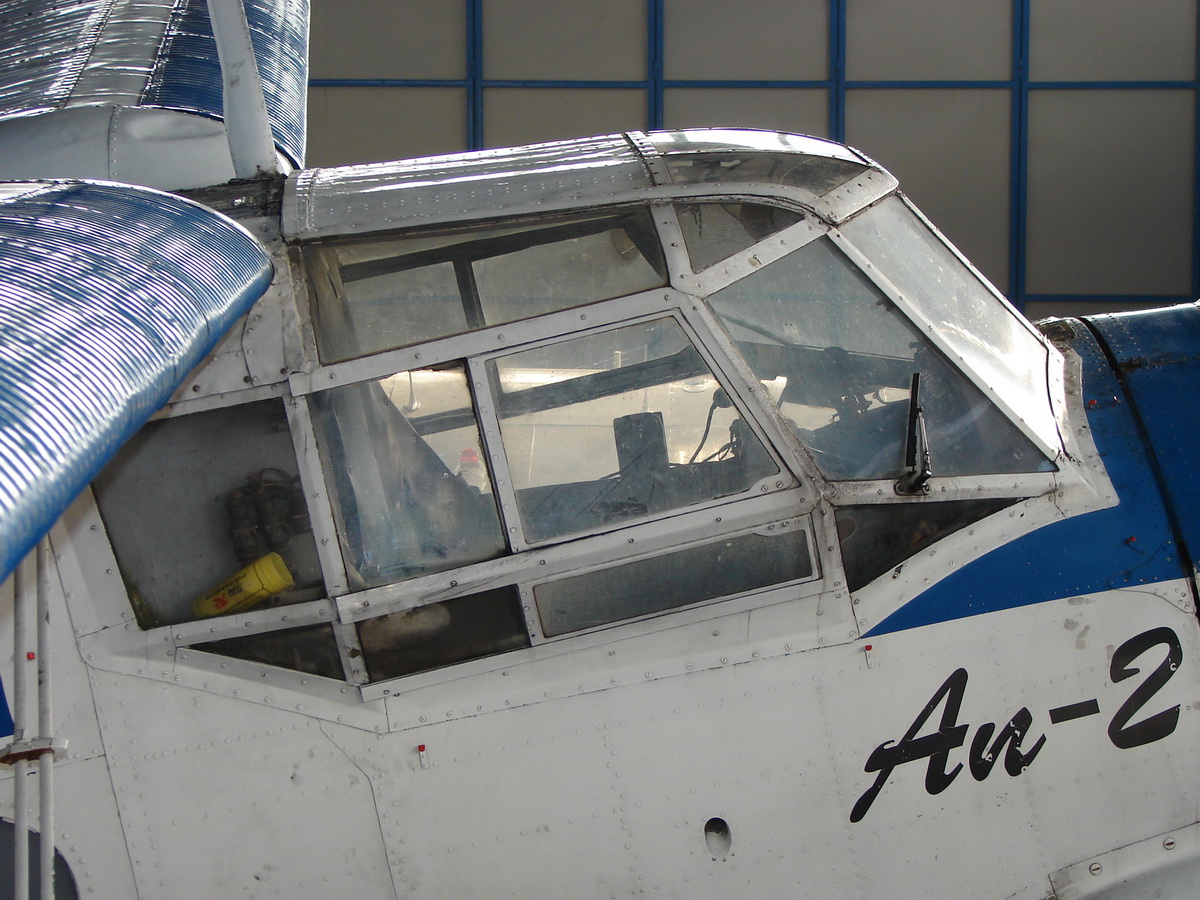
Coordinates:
x,y
378,295
732,565
619,425
412,491
839,359
994,341
819,174
716,231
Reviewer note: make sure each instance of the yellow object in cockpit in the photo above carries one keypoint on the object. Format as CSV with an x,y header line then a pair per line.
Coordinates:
x,y
256,582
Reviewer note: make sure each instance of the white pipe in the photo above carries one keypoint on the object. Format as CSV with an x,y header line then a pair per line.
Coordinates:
x,y
45,724
248,130
21,602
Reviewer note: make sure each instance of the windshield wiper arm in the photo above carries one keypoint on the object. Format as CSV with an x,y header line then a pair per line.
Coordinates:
x,y
916,453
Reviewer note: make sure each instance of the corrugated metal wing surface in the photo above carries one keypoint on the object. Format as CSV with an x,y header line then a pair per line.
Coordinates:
x,y
44,45
109,296
188,73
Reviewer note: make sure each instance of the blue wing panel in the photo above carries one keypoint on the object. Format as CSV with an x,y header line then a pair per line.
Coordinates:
x,y
188,73
1123,546
109,296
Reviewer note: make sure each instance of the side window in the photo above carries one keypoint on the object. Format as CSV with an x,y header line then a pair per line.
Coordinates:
x,y
404,457
618,425
443,633
716,231
876,539
378,295
206,515
733,565
840,360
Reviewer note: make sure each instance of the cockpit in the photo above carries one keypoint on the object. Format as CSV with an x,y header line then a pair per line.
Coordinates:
x,y
573,389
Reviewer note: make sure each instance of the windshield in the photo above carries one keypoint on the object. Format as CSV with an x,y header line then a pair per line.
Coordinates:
x,y
838,360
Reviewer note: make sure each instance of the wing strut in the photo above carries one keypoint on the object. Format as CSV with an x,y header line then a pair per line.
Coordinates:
x,y
29,746
251,144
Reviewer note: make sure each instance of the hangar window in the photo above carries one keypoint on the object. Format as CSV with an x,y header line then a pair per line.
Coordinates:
x,y
376,295
842,359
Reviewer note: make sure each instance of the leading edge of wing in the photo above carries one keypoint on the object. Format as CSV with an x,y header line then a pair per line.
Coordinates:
x,y
109,296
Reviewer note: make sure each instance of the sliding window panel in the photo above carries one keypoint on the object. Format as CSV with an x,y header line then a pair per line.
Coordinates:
x,y
540,40
928,40
798,110
516,116
387,39
769,40
950,150
348,125
1110,192
1112,40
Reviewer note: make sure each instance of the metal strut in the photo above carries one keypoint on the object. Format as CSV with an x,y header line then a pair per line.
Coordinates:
x,y
41,750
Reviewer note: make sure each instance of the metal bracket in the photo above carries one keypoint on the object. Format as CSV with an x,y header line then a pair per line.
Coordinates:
x,y
34,749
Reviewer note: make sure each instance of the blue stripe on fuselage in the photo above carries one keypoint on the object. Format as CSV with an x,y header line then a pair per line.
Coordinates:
x,y
1126,545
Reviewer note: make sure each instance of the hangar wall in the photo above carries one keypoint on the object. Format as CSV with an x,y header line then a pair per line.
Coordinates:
x,y
1053,140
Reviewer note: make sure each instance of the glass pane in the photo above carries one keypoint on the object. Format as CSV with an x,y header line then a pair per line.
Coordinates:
x,y
359,312
404,457
818,174
720,569
994,342
206,515
599,265
876,539
839,359
716,231
440,634
312,650
377,295
616,426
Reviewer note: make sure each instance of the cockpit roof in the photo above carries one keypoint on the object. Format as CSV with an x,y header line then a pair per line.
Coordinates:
x,y
833,180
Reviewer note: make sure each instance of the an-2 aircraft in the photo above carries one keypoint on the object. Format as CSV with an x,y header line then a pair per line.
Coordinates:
x,y
665,514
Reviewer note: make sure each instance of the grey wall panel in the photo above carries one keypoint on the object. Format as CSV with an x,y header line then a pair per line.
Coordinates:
x,y
549,39
388,39
1112,40
366,124
936,40
518,116
1110,192
950,150
774,40
801,110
